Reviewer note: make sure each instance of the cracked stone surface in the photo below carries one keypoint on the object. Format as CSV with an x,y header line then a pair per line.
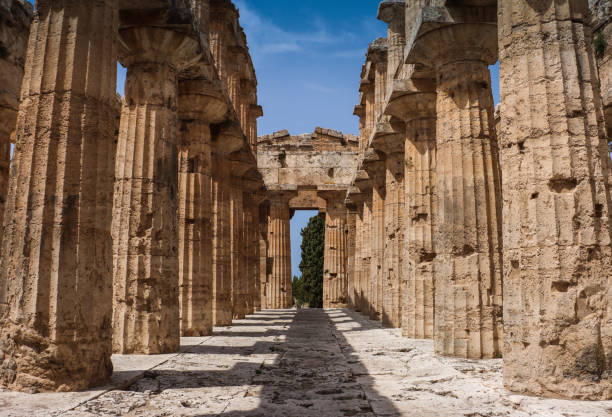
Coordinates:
x,y
308,362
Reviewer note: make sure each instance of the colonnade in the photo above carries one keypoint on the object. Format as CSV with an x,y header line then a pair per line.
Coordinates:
x,y
130,224
501,230
124,236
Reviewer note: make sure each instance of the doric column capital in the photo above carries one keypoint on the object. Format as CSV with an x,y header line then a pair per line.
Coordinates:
x,y
227,138
412,99
442,37
280,198
202,99
389,136
392,11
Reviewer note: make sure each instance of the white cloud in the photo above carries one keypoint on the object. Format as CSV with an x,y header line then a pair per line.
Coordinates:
x,y
266,37
320,88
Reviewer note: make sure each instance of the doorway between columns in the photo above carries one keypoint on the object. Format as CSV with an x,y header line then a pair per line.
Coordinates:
x,y
299,221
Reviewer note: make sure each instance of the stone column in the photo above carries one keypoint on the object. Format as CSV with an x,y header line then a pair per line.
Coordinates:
x,y
556,188
264,210
279,252
414,102
228,139
335,255
145,221
421,210
253,197
56,263
351,239
389,138
199,105
16,19
468,241
239,279
195,237
377,237
364,184
222,278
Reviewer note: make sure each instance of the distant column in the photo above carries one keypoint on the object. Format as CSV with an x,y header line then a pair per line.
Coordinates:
x,y
377,172
351,239
279,251
335,253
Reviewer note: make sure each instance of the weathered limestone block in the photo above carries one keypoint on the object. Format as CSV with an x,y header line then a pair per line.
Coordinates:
x,y
335,286
279,293
56,264
145,221
556,179
15,20
468,239
414,102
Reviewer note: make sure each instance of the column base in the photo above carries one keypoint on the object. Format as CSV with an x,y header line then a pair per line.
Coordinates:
x,y
33,363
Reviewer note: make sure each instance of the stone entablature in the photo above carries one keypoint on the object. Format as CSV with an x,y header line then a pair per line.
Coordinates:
x,y
322,159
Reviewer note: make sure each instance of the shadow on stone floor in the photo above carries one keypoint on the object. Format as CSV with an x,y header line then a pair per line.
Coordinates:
x,y
310,375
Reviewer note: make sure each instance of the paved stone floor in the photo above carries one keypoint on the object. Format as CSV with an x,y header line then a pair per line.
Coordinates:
x,y
285,363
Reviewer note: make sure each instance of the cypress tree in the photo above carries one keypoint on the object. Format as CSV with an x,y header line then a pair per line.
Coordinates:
x,y
313,247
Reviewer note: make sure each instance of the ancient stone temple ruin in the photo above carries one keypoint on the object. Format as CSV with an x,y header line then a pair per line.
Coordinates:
x,y
130,222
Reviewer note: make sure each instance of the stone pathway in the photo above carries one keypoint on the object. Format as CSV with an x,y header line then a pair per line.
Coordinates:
x,y
285,363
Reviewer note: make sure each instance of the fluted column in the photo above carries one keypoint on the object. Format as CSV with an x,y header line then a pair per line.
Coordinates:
x,y
393,239
222,278
279,251
468,239
56,264
377,238
263,260
200,104
421,211
556,188
351,244
238,254
145,221
335,253
195,233
366,259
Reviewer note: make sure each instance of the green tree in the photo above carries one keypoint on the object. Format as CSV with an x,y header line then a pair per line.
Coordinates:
x,y
298,291
313,247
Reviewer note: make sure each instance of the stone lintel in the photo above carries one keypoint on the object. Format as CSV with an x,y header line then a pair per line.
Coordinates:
x,y
438,31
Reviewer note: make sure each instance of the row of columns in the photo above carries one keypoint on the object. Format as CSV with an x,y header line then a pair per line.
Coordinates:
x,y
120,242
493,240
